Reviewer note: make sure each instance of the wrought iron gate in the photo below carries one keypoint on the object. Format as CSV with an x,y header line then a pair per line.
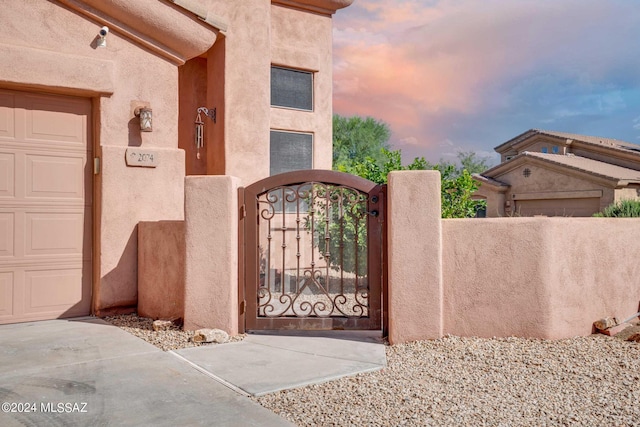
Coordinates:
x,y
311,242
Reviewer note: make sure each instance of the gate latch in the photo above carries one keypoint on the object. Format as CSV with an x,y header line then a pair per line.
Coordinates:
x,y
373,213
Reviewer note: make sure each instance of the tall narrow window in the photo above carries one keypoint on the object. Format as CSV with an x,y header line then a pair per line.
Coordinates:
x,y
290,151
291,88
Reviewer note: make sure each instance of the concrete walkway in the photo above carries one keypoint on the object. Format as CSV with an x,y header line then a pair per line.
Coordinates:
x,y
263,364
85,372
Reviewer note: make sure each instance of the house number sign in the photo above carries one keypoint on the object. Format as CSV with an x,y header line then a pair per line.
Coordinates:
x,y
142,157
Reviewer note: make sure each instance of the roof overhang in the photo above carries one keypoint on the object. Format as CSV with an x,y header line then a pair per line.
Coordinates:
x,y
325,7
177,30
529,137
490,183
522,159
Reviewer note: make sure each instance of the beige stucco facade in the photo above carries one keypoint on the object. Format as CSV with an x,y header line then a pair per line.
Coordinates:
x,y
171,56
558,174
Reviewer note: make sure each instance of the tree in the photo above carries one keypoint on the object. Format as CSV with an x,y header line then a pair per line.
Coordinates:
x,y
470,162
457,185
356,138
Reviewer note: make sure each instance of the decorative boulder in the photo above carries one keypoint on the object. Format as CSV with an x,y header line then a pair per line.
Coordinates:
x,y
210,335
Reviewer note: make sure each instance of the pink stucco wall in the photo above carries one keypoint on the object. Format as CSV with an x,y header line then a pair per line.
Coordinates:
x,y
538,277
304,41
161,269
414,256
211,260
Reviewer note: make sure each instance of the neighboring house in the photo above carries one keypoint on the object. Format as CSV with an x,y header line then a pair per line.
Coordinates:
x,y
81,164
559,174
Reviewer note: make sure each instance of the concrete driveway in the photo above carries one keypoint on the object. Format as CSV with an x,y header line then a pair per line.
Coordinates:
x,y
86,372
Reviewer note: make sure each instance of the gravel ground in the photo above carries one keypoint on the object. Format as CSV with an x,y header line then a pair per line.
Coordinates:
x,y
586,381
171,339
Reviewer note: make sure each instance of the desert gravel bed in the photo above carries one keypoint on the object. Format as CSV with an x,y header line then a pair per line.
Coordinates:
x,y
587,381
171,339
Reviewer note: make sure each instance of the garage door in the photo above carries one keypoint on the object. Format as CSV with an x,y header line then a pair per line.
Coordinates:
x,y
45,207
559,207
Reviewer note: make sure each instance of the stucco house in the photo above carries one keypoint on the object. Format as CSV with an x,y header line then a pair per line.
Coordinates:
x,y
101,120
559,174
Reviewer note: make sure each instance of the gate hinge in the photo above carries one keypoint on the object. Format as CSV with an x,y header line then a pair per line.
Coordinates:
x,y
96,165
243,305
243,211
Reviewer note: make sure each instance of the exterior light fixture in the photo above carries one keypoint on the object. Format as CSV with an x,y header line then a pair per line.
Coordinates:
x,y
145,114
211,113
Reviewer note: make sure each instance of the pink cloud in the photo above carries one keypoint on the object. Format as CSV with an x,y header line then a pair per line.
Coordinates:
x,y
405,61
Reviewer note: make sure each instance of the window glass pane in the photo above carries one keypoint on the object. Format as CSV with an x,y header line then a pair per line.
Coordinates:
x,y
544,149
290,151
291,88
555,149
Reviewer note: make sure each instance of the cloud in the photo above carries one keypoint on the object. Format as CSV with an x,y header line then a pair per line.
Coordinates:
x,y
434,69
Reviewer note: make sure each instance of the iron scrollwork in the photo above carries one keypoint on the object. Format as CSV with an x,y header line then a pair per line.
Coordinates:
x,y
313,251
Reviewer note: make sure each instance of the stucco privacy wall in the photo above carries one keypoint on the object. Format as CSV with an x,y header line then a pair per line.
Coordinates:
x,y
211,260
414,256
538,277
497,274
161,269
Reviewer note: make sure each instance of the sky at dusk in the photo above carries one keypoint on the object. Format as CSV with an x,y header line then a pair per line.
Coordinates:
x,y
468,75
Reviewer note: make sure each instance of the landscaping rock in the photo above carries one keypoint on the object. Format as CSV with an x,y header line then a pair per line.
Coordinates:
x,y
210,335
162,325
605,323
615,330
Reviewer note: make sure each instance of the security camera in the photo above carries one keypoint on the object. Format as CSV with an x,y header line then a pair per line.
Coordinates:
x,y
104,31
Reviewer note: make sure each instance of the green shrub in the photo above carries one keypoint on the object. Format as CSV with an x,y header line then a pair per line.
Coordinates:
x,y
621,209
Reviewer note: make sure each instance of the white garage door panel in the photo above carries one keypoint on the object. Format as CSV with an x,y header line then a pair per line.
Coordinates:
x,y
52,290
55,120
45,207
55,176
48,234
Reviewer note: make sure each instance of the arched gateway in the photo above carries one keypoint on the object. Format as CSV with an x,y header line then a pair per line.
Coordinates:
x,y
311,247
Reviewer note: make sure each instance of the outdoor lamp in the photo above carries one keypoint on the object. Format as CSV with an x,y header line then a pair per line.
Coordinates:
x,y
145,115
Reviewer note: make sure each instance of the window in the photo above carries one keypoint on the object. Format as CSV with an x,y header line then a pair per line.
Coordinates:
x,y
544,150
555,149
290,151
291,88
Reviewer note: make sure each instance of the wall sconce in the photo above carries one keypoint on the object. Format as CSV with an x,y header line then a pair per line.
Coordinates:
x,y
211,113
145,114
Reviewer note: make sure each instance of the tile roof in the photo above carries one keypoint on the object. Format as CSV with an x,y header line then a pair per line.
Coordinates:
x,y
584,164
595,140
490,181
